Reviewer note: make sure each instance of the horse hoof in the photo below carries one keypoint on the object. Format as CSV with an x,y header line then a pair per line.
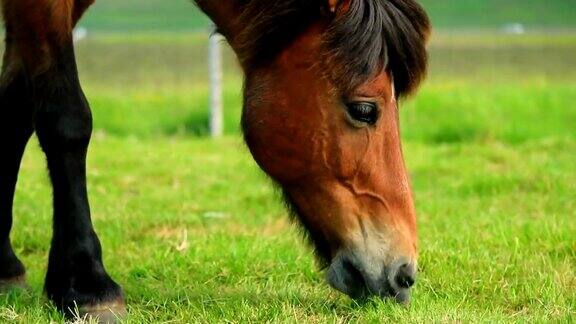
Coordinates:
x,y
105,313
18,282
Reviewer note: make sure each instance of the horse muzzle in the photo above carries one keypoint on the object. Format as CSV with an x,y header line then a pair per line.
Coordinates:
x,y
361,277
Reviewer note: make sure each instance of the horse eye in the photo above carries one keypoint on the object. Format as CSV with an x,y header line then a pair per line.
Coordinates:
x,y
364,112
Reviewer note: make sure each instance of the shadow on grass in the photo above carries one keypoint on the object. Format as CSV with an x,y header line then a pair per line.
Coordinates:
x,y
231,302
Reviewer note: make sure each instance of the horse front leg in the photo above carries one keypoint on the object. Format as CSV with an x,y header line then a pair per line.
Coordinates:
x,y
76,275
16,111
42,34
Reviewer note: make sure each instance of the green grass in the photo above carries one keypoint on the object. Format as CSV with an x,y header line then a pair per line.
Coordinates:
x,y
194,232
172,15
496,13
496,228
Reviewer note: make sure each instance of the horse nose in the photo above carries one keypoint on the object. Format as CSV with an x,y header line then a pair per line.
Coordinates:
x,y
360,280
405,276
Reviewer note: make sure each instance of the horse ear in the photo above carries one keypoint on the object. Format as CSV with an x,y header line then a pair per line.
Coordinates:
x,y
335,6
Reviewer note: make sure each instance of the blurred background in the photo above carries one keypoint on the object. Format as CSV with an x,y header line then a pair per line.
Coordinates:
x,y
195,232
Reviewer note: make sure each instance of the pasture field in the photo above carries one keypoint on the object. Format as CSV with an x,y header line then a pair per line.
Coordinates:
x,y
194,232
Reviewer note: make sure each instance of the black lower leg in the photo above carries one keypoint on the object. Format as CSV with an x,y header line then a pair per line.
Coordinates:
x,y
76,275
15,130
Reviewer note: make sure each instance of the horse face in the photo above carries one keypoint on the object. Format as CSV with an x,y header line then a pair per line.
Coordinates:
x,y
337,156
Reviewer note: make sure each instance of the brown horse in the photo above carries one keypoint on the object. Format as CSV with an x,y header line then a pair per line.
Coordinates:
x,y
320,117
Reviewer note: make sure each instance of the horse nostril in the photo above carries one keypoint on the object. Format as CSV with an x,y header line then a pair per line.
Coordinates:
x,y
406,276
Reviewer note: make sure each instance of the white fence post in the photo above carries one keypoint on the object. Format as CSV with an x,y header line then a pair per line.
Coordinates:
x,y
215,70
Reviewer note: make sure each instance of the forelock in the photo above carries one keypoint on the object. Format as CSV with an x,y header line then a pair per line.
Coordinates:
x,y
371,36
363,39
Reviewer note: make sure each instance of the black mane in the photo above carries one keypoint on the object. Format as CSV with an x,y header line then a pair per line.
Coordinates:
x,y
361,40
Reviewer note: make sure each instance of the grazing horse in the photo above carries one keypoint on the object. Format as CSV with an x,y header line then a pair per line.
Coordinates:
x,y
320,117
